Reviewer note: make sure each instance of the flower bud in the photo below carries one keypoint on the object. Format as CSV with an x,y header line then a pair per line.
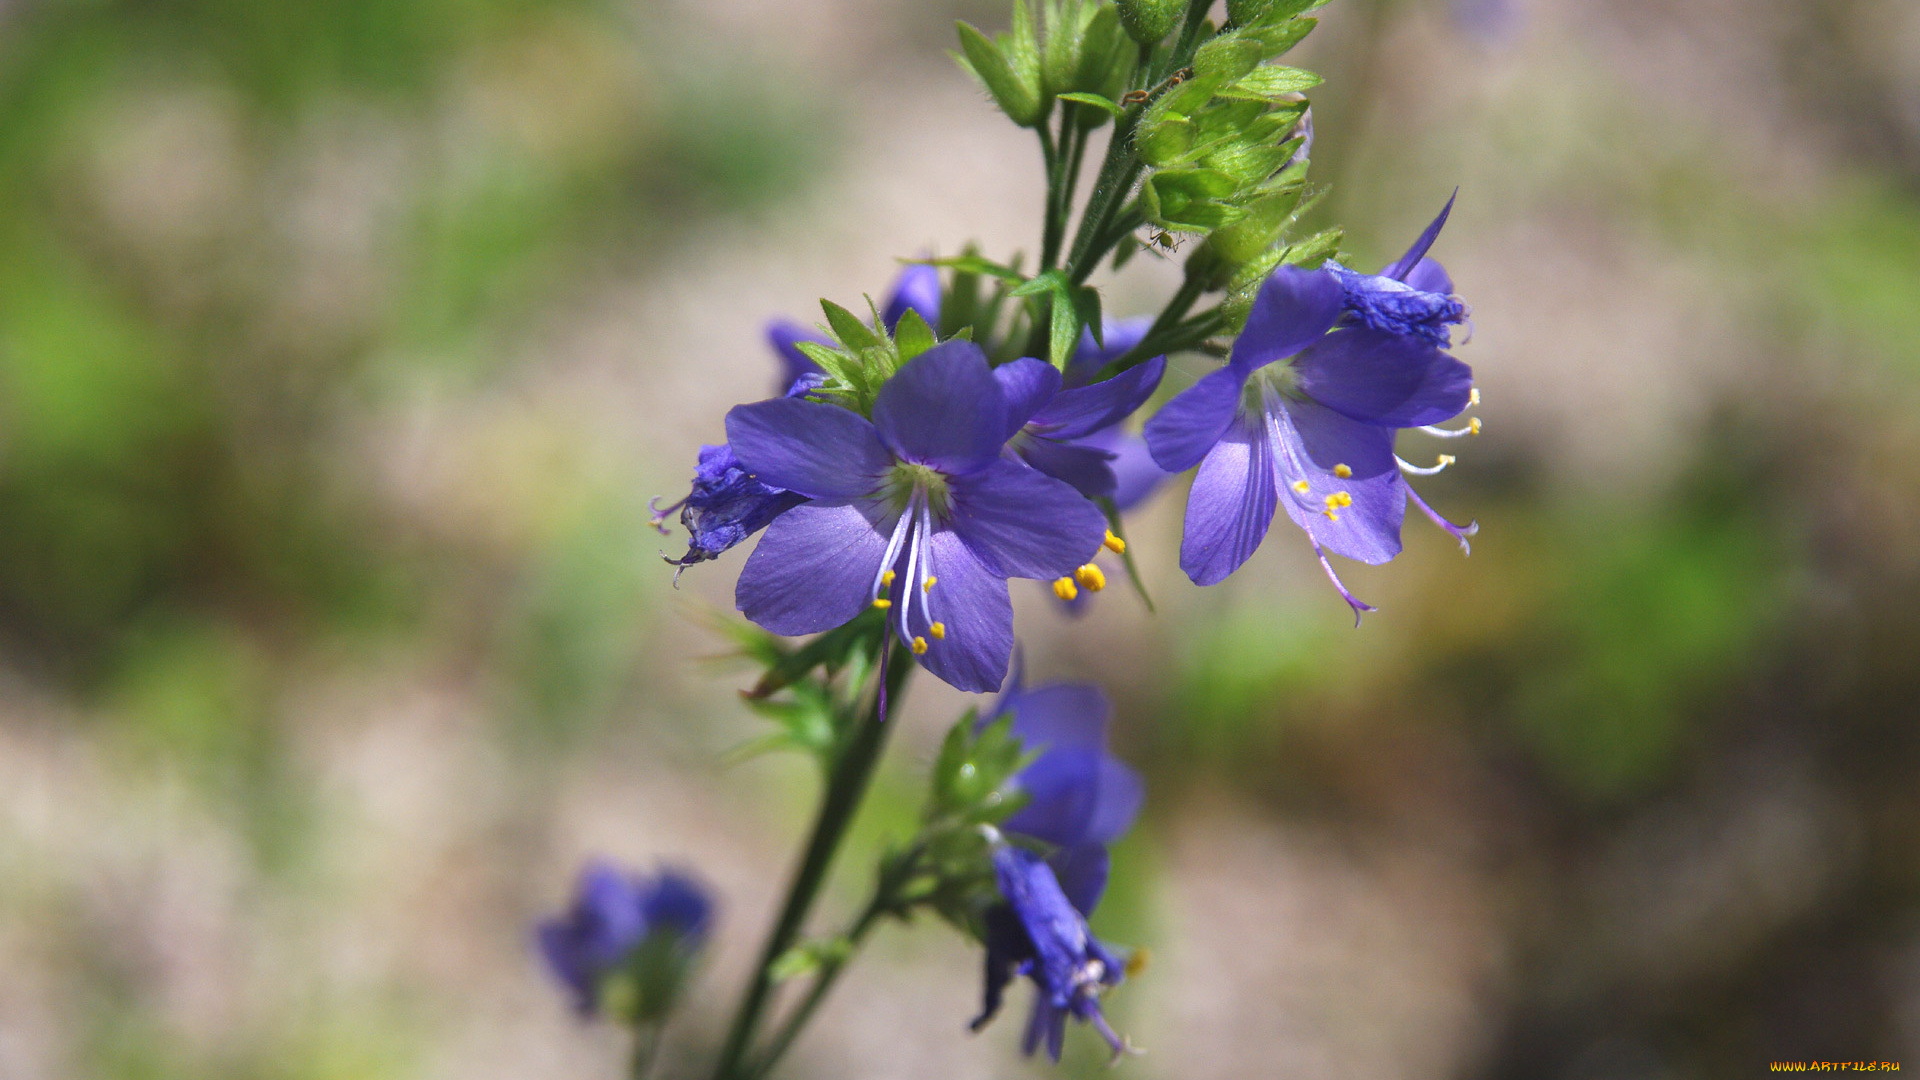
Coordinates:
x,y
1148,21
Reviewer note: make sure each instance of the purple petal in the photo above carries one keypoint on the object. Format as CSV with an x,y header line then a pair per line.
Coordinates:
x,y
1062,787
1028,385
943,408
1401,267
1314,442
971,603
820,451
1292,310
1064,716
1119,801
1135,475
1430,276
1120,335
918,288
1230,506
1077,413
784,335
812,571
1083,466
1082,872
1025,524
1386,379
1184,429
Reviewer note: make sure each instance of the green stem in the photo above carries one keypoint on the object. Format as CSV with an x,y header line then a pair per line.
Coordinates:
x,y
646,1047
846,785
1051,225
823,981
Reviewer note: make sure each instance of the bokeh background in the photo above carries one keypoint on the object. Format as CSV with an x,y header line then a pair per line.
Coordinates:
x,y
342,343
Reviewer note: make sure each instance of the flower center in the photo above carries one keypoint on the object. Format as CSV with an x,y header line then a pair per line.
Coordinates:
x,y
907,479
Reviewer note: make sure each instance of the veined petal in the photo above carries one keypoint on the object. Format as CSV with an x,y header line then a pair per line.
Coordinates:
x,y
820,451
813,570
1184,429
1429,276
943,408
1062,787
970,602
1025,524
1230,506
1400,268
1387,379
1135,475
1292,310
1314,442
1084,466
1028,385
1077,413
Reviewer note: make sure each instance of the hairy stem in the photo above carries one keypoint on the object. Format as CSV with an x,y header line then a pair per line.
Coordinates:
x,y
846,787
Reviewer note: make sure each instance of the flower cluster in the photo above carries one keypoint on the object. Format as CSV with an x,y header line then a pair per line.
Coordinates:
x,y
624,945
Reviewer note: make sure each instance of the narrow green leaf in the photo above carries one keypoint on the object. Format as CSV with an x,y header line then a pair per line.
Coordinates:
x,y
1065,331
1051,281
974,264
1086,305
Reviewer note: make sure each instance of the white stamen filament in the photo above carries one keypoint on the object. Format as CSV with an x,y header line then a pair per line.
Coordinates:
x,y
1415,470
899,537
914,540
1472,428
926,564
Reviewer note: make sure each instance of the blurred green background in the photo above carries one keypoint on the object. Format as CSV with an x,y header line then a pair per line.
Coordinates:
x,y
342,343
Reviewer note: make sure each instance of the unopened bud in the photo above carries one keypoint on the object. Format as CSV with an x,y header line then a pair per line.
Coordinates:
x,y
1148,21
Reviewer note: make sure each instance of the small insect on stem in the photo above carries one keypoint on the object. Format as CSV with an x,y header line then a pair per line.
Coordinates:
x,y
1161,242
1134,97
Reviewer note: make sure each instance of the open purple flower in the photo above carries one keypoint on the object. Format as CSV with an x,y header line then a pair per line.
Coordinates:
x,y
646,929
917,288
1052,437
1412,295
1078,793
1041,931
915,511
1305,420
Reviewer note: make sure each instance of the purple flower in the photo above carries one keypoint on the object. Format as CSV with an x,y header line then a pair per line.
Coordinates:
x,y
1305,419
1058,422
647,929
1412,295
915,511
1041,931
917,288
727,503
1078,793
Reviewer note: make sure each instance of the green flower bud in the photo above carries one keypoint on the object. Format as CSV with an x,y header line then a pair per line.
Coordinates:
x,y
1015,90
1148,21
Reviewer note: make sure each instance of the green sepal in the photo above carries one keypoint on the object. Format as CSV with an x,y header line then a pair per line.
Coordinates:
x,y
1278,39
1228,58
1247,165
831,651
1022,49
1094,100
912,336
1106,55
1270,82
1149,21
1245,283
848,328
1191,185
1165,142
1018,99
840,366
1263,12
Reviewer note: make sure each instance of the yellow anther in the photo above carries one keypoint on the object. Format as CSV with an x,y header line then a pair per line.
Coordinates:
x,y
882,603
1090,578
1339,499
927,585
1445,459
886,579
1137,962
1114,543
1064,588
1342,471
919,646
1473,397
1302,486
938,630
1473,425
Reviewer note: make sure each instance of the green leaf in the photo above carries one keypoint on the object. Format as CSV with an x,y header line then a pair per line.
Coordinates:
x,y
838,365
1094,100
1227,58
1267,83
1086,305
852,333
1020,101
912,335
1277,39
1051,281
1064,332
974,264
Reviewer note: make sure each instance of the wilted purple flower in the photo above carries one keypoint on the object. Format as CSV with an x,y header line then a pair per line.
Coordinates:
x,y
917,288
646,928
915,511
1313,433
1412,295
1078,793
727,503
1041,932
